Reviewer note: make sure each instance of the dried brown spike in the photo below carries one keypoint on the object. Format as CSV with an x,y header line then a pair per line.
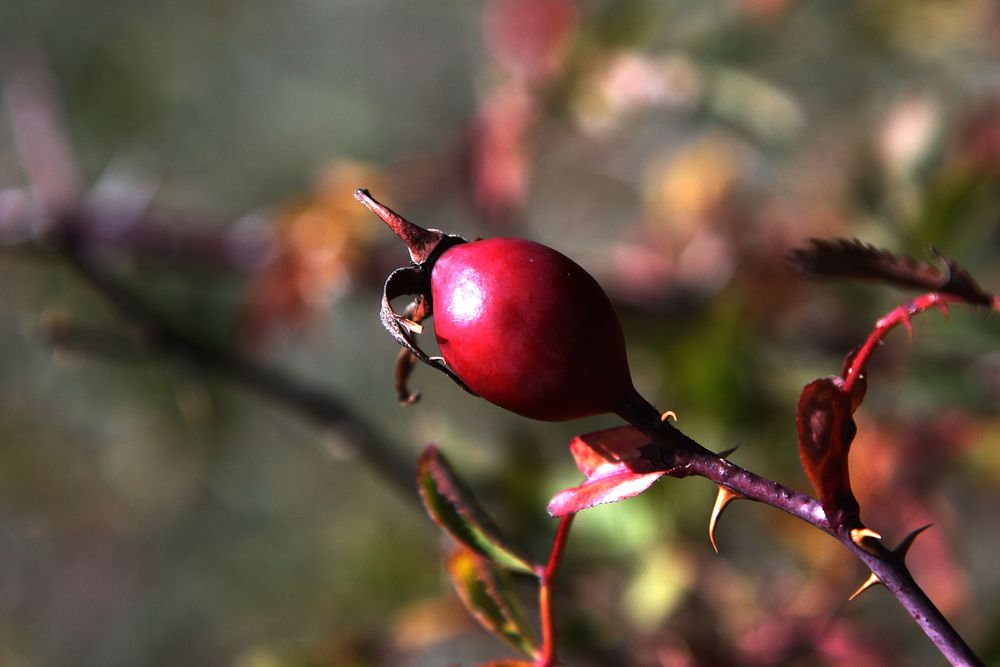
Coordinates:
x,y
850,258
420,242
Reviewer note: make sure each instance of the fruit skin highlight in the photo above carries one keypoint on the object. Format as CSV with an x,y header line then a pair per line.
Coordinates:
x,y
528,329
517,323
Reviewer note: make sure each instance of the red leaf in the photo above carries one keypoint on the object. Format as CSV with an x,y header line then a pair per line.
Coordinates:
x,y
617,485
594,451
825,431
614,468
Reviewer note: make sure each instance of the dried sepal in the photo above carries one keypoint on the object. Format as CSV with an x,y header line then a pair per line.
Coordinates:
x,y
486,592
425,246
850,258
405,361
418,310
453,507
722,500
410,281
422,243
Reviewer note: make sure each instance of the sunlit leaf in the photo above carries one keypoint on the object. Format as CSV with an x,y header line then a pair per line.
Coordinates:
x,y
613,465
456,510
594,452
485,590
825,431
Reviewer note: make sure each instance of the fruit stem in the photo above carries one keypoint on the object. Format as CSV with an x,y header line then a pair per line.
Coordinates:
x,y
420,242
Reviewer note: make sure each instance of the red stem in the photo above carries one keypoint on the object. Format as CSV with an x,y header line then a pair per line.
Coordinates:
x,y
546,575
899,315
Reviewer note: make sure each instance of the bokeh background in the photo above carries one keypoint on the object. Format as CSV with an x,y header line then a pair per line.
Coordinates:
x,y
152,513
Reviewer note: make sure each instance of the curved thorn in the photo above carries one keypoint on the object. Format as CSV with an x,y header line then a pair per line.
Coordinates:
x,y
904,546
908,325
725,453
858,535
871,582
722,500
669,414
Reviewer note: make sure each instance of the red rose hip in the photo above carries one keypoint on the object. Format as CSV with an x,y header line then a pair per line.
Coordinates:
x,y
517,322
528,329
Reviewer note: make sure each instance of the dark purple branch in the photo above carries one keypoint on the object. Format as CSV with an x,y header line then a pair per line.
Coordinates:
x,y
684,457
162,337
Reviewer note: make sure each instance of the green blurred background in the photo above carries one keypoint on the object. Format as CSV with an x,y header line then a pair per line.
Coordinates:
x,y
153,514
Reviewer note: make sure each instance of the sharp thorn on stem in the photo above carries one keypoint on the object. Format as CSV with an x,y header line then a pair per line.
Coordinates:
x,y
722,500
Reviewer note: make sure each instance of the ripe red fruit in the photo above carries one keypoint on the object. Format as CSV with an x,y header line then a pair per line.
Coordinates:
x,y
518,323
528,329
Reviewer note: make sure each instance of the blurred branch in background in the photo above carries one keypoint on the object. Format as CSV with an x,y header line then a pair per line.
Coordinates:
x,y
57,217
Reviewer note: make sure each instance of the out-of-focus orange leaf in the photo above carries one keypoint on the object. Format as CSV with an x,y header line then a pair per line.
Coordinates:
x,y
688,188
319,240
428,622
612,463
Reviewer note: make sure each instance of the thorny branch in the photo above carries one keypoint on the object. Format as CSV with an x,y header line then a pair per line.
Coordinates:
x,y
68,227
683,457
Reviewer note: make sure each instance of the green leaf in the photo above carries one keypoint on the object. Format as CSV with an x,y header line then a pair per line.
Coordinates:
x,y
486,592
455,509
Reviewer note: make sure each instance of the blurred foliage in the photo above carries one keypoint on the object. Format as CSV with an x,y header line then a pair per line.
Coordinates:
x,y
150,514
